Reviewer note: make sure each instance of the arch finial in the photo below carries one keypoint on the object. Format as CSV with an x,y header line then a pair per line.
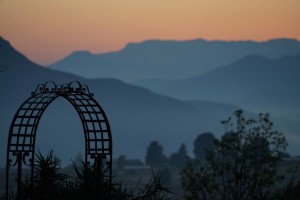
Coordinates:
x,y
50,86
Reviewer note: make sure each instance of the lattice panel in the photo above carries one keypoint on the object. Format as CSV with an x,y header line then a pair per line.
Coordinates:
x,y
95,123
25,122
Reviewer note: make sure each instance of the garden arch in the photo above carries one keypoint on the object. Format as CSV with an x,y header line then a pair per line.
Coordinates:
x,y
23,129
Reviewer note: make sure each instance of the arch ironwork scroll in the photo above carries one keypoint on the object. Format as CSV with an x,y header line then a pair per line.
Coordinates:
x,y
23,129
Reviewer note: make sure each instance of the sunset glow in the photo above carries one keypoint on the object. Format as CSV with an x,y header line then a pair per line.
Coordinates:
x,y
46,31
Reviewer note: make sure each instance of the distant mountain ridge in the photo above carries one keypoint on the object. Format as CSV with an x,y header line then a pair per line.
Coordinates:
x,y
156,59
254,81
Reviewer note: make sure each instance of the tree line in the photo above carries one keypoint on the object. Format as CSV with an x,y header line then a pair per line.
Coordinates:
x,y
244,164
155,156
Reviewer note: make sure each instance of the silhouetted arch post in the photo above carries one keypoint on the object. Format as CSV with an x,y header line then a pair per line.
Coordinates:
x,y
23,129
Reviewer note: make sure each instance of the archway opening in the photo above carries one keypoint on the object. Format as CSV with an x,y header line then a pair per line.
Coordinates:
x,y
60,130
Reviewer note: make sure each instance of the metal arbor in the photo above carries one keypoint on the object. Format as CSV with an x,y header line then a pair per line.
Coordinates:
x,y
23,129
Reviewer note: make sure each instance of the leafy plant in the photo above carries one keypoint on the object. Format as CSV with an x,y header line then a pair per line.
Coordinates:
x,y
47,181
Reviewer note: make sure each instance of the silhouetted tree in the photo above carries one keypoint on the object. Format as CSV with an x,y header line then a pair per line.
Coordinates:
x,y
154,155
242,166
178,159
204,141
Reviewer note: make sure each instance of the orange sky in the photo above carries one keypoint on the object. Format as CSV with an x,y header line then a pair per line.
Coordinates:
x,y
46,31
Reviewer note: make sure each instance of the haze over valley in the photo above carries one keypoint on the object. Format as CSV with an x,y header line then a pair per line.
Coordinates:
x,y
160,90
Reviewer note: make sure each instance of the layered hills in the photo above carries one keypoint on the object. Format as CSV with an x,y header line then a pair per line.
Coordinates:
x,y
171,112
253,82
137,115
156,59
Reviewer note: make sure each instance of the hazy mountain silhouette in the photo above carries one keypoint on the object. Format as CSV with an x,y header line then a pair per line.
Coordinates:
x,y
137,116
254,82
166,60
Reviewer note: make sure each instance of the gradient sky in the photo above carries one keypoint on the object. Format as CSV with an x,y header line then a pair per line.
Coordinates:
x,y
46,31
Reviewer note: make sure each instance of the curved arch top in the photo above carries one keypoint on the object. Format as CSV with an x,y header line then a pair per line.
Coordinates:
x,y
23,129
95,123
